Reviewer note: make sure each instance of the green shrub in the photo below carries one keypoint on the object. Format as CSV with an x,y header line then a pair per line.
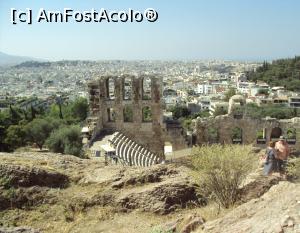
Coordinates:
x,y
15,136
220,111
9,193
291,133
223,169
180,111
260,134
293,168
270,110
79,109
5,182
55,142
66,140
187,124
229,93
213,135
39,129
34,125
128,114
202,114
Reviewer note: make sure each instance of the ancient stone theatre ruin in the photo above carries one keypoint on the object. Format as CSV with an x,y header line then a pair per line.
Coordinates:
x,y
130,106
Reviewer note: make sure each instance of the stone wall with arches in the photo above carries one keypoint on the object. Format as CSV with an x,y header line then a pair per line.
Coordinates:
x,y
129,104
132,105
247,130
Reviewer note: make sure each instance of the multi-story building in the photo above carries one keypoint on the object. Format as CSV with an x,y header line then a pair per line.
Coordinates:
x,y
204,89
294,102
204,103
245,87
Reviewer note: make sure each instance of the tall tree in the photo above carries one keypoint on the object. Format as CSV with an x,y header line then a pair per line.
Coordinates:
x,y
15,136
39,130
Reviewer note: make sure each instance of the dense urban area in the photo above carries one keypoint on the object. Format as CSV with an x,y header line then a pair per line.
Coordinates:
x,y
198,85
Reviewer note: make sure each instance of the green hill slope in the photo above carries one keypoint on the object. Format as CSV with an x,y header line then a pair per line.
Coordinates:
x,y
283,72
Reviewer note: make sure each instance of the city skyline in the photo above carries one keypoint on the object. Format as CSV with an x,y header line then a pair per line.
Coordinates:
x,y
231,30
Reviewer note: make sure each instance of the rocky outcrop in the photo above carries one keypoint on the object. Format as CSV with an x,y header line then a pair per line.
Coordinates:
x,y
161,199
257,187
24,176
25,197
70,166
152,175
192,224
276,211
159,189
187,224
26,182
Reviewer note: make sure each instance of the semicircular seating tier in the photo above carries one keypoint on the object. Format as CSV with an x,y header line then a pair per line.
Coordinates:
x,y
131,153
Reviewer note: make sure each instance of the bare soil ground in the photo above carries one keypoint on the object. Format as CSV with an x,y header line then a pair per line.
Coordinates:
x,y
59,193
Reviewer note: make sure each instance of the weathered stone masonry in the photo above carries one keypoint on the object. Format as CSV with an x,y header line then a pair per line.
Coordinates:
x,y
238,128
110,96
224,125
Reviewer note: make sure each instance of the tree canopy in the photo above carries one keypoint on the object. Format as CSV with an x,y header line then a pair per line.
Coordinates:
x,y
66,140
283,72
275,111
180,111
229,93
21,127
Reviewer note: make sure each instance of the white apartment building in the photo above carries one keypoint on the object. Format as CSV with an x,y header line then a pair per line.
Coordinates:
x,y
294,102
204,89
244,87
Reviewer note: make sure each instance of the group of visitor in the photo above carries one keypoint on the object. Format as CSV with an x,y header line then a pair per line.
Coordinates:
x,y
276,157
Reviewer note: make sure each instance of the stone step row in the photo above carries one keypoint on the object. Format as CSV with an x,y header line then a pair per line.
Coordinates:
x,y
131,153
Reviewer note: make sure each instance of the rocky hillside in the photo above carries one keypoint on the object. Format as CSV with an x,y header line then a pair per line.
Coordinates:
x,y
46,192
276,211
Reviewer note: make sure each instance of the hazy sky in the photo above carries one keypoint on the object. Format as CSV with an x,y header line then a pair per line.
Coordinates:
x,y
186,29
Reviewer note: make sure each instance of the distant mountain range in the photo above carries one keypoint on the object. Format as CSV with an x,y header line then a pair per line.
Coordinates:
x,y
10,60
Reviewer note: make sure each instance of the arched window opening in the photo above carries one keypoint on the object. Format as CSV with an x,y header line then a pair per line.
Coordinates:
x,y
147,114
147,88
261,136
111,115
237,135
276,133
128,114
127,88
291,136
110,86
213,135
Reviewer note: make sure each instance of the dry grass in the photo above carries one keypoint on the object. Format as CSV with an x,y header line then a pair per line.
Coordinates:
x,y
51,218
293,169
222,169
58,217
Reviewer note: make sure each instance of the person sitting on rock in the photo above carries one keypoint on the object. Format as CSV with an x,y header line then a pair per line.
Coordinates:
x,y
283,152
270,165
